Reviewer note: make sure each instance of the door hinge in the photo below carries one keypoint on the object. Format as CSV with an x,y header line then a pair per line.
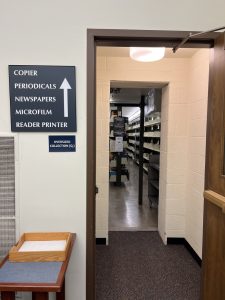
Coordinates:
x,y
96,190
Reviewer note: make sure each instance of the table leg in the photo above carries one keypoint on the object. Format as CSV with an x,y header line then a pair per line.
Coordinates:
x,y
40,296
7,295
61,295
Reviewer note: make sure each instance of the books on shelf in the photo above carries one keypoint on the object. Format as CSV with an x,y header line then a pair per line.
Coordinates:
x,y
152,134
146,156
131,148
153,147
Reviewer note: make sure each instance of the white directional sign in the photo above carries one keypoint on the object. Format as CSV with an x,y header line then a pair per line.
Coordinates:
x,y
43,98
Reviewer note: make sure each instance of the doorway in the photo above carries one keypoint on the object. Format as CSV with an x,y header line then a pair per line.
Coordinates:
x,y
115,38
130,206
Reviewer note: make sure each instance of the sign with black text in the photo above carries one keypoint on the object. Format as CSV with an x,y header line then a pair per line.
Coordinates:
x,y
62,143
42,98
119,126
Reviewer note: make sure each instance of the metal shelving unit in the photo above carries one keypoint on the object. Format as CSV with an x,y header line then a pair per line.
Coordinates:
x,y
152,137
133,132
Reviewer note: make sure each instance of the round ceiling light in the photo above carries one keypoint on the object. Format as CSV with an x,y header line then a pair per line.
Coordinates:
x,y
147,54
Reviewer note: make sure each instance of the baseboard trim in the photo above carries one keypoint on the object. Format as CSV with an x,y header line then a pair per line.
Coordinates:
x,y
182,241
100,241
175,241
192,252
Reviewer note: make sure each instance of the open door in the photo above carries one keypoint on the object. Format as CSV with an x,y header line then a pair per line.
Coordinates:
x,y
213,278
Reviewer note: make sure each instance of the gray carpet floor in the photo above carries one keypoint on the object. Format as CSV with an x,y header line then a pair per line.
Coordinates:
x,y
138,266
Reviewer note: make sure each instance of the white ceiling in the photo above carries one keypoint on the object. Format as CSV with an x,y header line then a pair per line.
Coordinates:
x,y
124,52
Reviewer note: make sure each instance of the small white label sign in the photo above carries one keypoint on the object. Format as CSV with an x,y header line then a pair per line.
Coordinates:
x,y
119,144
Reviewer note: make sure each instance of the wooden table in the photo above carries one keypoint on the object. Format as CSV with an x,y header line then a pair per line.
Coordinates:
x,y
40,278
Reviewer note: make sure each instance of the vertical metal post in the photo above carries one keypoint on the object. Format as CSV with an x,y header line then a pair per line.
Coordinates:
x,y
141,140
118,168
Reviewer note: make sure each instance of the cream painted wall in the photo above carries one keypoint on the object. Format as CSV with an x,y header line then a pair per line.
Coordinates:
x,y
198,99
52,187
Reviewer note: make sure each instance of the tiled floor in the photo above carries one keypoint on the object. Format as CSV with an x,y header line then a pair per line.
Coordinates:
x,y
124,212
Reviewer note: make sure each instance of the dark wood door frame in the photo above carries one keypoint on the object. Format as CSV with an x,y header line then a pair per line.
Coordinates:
x,y
116,38
213,271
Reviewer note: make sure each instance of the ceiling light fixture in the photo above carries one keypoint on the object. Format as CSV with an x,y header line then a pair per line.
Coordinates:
x,y
147,54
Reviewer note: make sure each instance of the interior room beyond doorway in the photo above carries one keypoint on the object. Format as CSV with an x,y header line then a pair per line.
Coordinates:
x,y
126,189
182,149
125,214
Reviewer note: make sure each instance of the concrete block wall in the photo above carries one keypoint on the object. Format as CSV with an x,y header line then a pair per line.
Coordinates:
x,y
173,155
197,98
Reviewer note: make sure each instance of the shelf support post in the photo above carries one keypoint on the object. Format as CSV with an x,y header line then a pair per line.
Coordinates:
x,y
141,140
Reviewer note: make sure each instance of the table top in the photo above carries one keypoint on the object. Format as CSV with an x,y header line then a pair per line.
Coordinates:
x,y
34,276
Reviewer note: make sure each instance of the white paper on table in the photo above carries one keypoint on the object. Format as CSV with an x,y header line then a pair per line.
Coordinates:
x,y
31,246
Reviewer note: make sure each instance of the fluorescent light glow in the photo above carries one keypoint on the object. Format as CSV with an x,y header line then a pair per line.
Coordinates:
x,y
147,54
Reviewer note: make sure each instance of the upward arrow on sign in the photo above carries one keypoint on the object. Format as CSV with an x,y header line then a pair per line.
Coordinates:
x,y
65,86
